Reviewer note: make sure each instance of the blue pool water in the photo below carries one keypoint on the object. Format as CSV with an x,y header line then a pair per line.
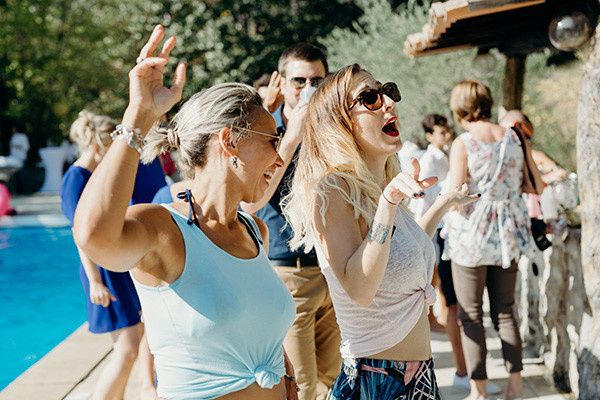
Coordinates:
x,y
40,295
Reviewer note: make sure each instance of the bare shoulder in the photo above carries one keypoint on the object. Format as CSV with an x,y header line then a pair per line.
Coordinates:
x,y
333,203
458,147
151,215
262,227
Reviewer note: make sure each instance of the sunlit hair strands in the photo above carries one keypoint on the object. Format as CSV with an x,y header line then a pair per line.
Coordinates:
x,y
202,116
330,160
89,129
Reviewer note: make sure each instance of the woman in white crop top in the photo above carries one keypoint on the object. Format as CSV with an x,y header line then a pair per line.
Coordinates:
x,y
378,261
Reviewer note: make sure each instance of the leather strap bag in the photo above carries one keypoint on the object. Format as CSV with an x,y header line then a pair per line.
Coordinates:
x,y
530,185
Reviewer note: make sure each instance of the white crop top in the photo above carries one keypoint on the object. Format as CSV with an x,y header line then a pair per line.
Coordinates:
x,y
399,301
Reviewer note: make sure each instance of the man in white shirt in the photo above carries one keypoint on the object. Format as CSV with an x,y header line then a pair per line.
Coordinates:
x,y
408,151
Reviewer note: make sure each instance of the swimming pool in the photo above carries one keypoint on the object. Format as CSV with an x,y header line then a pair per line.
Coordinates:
x,y
41,298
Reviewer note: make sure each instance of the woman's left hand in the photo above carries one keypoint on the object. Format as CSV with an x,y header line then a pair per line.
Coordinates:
x,y
459,197
147,94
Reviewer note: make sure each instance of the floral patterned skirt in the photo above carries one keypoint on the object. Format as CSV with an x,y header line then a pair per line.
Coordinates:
x,y
370,379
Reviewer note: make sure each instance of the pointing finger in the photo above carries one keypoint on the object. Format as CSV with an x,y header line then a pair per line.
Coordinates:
x,y
416,168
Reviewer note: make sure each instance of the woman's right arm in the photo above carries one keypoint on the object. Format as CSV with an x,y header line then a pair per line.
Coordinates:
x,y
112,235
457,172
359,261
99,293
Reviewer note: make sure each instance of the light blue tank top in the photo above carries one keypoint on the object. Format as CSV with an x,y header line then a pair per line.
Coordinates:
x,y
220,326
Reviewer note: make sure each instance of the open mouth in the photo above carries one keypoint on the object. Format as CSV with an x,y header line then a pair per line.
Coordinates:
x,y
268,175
390,128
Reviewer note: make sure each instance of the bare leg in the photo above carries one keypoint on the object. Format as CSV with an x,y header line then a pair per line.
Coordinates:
x,y
146,359
479,389
453,332
515,386
443,317
113,378
433,322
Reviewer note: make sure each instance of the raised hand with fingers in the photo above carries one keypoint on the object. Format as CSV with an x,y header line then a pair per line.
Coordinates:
x,y
408,185
273,97
147,94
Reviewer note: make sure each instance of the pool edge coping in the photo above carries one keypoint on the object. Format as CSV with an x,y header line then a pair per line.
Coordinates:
x,y
39,220
56,374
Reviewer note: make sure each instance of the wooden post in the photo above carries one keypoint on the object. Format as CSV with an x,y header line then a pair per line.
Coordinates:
x,y
588,165
512,87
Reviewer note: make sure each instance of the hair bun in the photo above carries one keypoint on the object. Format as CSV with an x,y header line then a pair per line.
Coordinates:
x,y
173,137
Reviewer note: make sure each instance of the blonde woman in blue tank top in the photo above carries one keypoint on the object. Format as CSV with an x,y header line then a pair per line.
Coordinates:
x,y
215,311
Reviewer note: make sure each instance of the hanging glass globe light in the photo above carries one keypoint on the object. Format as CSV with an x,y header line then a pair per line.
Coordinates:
x,y
568,32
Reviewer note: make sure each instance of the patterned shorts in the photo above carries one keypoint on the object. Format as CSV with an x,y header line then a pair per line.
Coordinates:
x,y
369,379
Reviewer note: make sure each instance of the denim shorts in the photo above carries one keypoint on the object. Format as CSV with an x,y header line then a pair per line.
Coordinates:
x,y
370,379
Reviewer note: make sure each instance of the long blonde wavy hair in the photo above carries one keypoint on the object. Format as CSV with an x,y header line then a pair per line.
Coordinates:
x,y
331,160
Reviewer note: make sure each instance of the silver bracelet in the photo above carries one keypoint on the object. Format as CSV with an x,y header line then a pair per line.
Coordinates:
x,y
133,137
379,232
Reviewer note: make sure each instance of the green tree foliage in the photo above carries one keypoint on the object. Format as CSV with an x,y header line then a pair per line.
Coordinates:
x,y
376,42
60,56
56,57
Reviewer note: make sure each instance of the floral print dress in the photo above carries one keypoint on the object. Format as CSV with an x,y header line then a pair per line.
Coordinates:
x,y
495,230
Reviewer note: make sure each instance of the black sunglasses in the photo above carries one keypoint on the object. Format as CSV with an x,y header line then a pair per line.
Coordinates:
x,y
300,82
372,99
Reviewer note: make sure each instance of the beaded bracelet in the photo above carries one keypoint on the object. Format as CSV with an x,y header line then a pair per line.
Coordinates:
x,y
132,137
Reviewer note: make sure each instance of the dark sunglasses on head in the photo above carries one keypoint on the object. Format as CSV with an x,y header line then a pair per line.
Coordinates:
x,y
372,99
300,82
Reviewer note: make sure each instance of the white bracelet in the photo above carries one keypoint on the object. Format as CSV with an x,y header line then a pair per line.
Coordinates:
x,y
132,137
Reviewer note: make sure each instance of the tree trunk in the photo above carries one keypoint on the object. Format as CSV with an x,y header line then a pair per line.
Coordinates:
x,y
588,167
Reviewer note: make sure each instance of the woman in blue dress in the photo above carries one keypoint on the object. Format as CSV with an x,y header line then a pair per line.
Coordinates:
x,y
112,302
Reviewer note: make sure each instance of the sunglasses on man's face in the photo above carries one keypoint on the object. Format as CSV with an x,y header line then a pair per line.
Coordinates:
x,y
300,82
372,99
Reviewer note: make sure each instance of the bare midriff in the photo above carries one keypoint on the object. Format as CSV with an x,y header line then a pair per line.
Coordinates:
x,y
415,347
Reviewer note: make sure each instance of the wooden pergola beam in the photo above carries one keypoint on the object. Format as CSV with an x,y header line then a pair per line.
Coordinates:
x,y
512,86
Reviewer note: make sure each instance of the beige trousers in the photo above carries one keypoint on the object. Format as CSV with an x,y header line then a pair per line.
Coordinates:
x,y
313,341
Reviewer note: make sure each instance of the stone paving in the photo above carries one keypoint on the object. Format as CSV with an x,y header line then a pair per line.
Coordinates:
x,y
537,381
35,210
70,371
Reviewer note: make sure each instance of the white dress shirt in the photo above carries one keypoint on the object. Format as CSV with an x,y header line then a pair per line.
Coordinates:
x,y
434,162
408,151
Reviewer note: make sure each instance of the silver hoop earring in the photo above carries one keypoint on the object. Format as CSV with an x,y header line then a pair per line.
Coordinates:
x,y
234,160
